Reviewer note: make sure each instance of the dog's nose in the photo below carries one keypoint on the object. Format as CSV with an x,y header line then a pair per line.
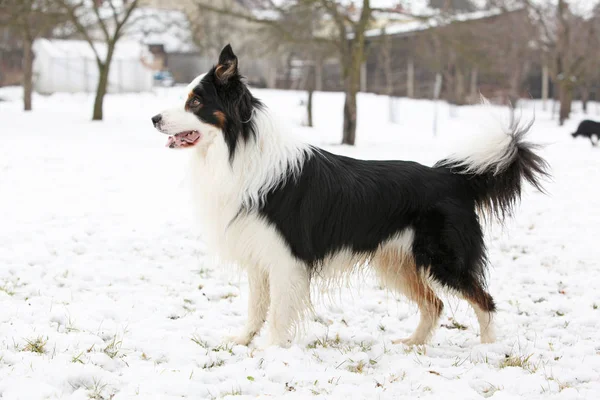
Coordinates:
x,y
156,119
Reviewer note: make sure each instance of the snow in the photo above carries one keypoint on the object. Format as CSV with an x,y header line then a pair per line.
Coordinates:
x,y
106,291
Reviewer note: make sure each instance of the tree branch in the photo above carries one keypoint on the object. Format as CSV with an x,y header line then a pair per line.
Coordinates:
x,y
275,24
72,12
101,21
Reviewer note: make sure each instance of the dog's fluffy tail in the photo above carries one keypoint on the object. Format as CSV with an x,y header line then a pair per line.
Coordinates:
x,y
496,167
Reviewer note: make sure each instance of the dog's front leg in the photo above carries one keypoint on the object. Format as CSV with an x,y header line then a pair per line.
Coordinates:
x,y
258,305
290,301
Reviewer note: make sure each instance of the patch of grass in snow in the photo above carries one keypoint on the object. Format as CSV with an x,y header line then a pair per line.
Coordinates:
x,y
214,364
454,324
325,342
360,366
490,390
95,391
458,361
37,345
187,305
77,359
228,347
228,296
6,290
203,272
560,385
232,392
113,348
417,349
595,306
202,343
357,368
395,378
520,361
336,343
70,327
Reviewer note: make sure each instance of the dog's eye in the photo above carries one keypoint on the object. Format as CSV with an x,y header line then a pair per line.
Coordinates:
x,y
195,102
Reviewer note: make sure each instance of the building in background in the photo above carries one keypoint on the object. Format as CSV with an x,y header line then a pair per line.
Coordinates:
x,y
263,55
70,66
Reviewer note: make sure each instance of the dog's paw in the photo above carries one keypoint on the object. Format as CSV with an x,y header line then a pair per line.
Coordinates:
x,y
410,341
244,339
277,341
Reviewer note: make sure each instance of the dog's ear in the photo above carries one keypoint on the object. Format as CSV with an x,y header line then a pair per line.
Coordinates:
x,y
228,65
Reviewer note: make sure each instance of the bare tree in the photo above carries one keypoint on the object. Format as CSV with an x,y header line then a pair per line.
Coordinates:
x,y
570,41
343,28
30,19
110,18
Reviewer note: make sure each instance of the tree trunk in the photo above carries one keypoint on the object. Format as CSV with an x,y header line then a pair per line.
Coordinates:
x,y
459,88
545,86
310,88
100,91
566,96
309,107
103,70
350,110
410,79
473,85
288,71
352,86
27,72
585,97
514,85
319,74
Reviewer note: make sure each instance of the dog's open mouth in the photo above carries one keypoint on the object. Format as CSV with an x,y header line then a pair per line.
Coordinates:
x,y
183,139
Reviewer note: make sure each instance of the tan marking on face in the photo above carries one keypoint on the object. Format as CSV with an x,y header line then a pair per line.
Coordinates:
x,y
220,117
190,95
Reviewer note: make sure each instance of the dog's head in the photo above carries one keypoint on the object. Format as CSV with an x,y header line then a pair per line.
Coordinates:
x,y
219,106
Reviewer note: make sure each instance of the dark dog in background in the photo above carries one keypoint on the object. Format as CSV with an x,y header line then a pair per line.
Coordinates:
x,y
589,129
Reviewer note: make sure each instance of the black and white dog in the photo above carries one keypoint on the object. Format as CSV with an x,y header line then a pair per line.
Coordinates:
x,y
589,129
289,212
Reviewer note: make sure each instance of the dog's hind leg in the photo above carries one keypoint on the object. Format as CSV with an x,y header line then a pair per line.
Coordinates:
x,y
258,305
290,301
399,272
484,307
416,287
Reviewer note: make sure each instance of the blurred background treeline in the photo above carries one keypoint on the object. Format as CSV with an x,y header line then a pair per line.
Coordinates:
x,y
453,50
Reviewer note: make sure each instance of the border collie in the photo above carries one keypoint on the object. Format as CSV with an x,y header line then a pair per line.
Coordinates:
x,y
288,212
589,129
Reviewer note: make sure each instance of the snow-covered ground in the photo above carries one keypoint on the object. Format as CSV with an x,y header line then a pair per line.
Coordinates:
x,y
105,291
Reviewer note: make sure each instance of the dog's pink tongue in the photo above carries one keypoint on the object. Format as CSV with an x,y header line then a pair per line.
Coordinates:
x,y
183,139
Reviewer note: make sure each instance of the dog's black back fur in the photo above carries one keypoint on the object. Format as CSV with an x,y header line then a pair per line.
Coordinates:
x,y
342,203
339,202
